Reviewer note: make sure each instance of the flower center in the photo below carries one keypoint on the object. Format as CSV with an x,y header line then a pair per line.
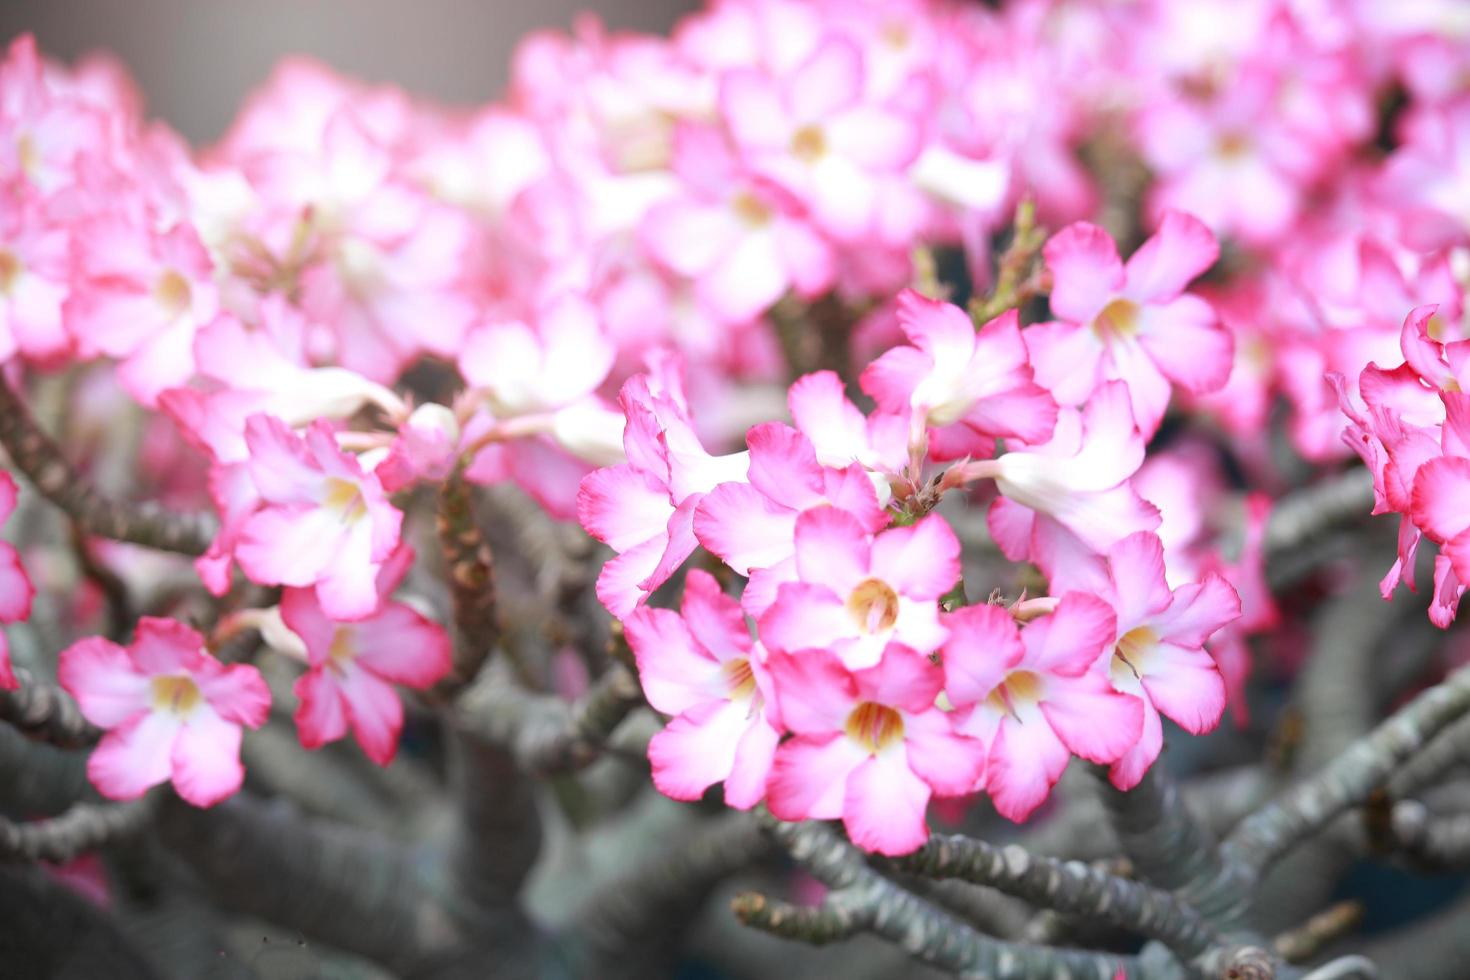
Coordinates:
x,y
874,726
873,606
342,650
1232,146
172,292
175,693
740,677
749,209
1020,687
808,143
10,269
28,156
1131,654
1117,321
344,498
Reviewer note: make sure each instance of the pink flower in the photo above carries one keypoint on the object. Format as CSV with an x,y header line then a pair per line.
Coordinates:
x,y
751,525
742,242
352,666
1158,651
35,272
814,133
702,668
321,520
855,594
966,388
1070,497
869,746
171,711
16,590
644,509
1038,695
841,434
1135,322
141,296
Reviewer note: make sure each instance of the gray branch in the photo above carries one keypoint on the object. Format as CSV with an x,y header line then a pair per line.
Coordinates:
x,y
45,712
84,827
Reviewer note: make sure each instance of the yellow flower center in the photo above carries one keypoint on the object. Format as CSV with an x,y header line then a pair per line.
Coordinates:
x,y
1019,687
1117,321
342,651
175,693
873,606
875,727
1232,146
740,678
1131,654
344,497
808,143
10,269
172,292
750,210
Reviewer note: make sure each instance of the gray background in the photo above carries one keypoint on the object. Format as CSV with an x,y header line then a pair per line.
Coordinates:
x,y
196,59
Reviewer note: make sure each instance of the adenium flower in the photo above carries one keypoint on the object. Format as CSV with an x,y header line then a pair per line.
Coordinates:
x,y
171,712
1036,696
1131,322
967,388
352,666
16,590
321,521
855,594
869,746
1158,652
701,667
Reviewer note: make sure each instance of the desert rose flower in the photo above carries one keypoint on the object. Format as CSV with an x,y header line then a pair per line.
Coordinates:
x,y
16,590
171,712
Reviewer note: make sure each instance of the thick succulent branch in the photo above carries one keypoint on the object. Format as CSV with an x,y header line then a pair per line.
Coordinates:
x,y
1306,514
51,931
38,456
1066,886
923,931
470,572
80,829
46,713
1264,836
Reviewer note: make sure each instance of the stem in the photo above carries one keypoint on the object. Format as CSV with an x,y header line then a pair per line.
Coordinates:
x,y
46,713
37,456
83,827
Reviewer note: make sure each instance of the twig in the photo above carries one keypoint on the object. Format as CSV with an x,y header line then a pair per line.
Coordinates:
x,y
1066,886
82,828
1308,939
41,460
1264,836
923,931
1427,841
818,925
46,713
1305,514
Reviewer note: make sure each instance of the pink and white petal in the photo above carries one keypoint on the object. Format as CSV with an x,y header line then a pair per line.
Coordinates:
x,y
783,465
1091,718
918,625
686,236
764,585
752,106
280,465
375,712
744,281
105,682
1185,684
9,494
16,590
697,749
806,617
1128,771
1066,360
921,561
1071,639
1086,270
809,776
134,757
166,646
1198,610
892,379
206,759
820,408
904,679
815,692
831,79
401,645
236,692
1148,389
1179,251
618,584
983,646
953,764
677,674
744,527
1026,411
348,588
1189,345
1137,572
321,714
8,681
1441,488
622,507
883,808
303,616
281,546
713,618
754,756
1026,759
1012,527
832,549
878,139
